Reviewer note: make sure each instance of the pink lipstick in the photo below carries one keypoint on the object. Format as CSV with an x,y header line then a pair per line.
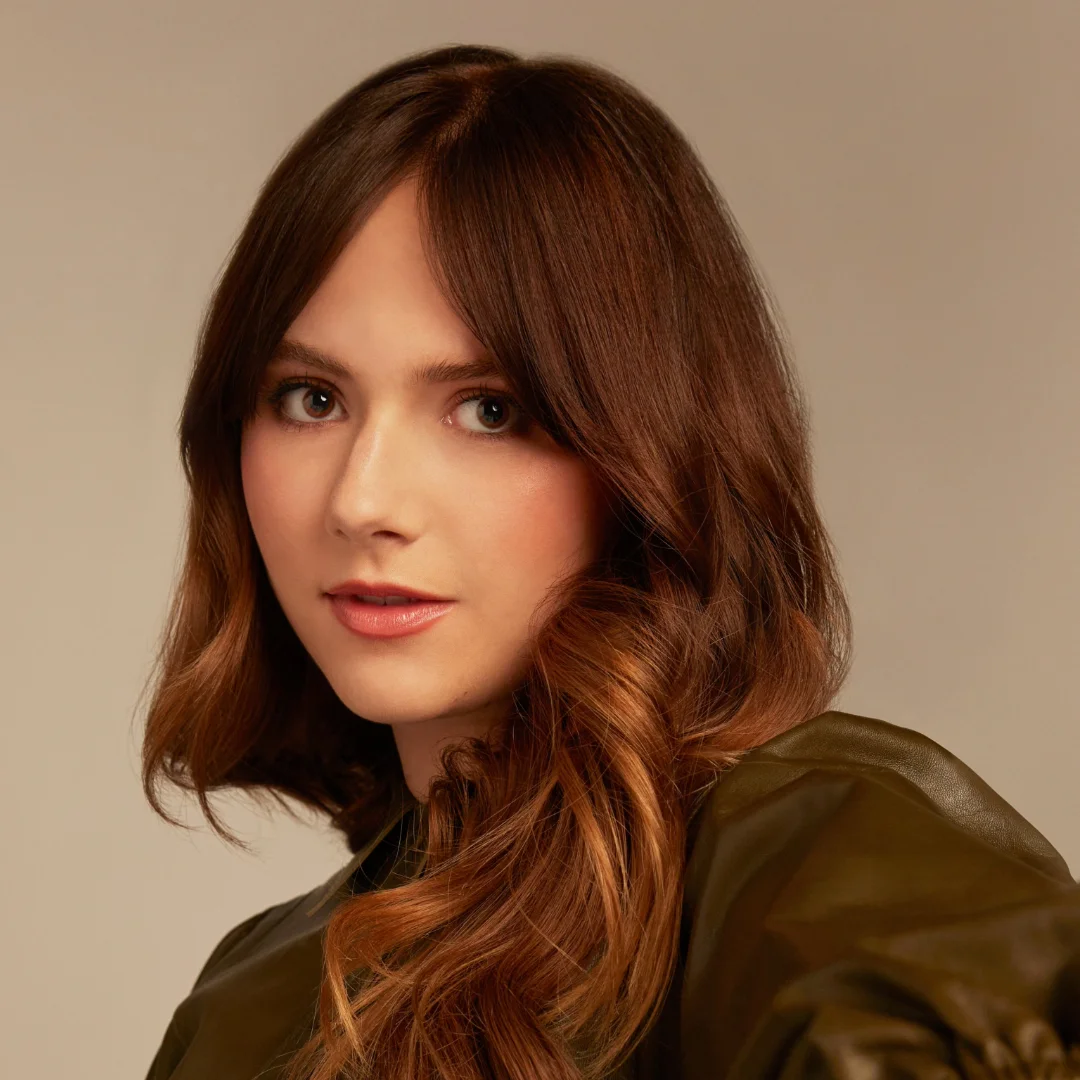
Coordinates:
x,y
385,609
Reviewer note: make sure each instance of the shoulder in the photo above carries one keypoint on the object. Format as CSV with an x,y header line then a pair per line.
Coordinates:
x,y
187,1034
241,937
299,915
853,889
838,757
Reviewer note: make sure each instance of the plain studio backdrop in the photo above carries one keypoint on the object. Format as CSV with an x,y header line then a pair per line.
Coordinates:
x,y
908,176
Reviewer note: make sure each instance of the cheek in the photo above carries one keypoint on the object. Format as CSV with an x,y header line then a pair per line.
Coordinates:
x,y
256,474
541,524
280,501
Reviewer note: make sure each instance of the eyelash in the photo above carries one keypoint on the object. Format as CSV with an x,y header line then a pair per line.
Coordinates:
x,y
275,397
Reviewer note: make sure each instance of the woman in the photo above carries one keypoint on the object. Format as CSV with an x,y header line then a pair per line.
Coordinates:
x,y
490,344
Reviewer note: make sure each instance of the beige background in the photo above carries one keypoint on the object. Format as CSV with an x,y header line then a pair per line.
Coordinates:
x,y
909,177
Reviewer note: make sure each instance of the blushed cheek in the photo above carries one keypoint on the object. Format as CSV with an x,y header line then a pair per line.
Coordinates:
x,y
276,501
547,527
254,474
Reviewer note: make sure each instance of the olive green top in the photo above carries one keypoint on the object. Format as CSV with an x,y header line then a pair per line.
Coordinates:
x,y
859,905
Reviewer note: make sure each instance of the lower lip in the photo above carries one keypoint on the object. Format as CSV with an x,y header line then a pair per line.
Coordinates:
x,y
387,620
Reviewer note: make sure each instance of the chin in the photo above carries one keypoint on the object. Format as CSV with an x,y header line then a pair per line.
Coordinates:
x,y
388,707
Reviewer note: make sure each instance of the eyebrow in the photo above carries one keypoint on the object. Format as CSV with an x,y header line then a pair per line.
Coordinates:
x,y
433,371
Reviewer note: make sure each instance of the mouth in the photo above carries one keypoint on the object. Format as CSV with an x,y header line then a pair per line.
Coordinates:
x,y
385,601
384,593
388,616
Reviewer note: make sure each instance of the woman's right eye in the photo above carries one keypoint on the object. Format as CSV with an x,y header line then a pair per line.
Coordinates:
x,y
285,393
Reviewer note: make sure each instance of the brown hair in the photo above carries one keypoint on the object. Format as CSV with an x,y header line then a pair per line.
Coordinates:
x,y
577,234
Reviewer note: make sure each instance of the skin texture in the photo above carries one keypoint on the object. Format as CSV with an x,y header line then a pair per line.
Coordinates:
x,y
393,481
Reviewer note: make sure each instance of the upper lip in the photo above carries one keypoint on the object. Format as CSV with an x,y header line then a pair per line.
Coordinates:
x,y
381,588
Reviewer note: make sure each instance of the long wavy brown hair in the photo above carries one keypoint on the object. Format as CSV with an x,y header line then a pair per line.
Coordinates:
x,y
578,235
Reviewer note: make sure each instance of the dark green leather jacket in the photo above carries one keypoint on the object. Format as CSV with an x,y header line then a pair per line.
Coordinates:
x,y
858,905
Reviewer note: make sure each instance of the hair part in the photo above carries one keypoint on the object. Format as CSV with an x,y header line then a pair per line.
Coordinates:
x,y
577,234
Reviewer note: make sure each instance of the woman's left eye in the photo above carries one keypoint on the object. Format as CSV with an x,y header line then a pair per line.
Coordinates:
x,y
490,408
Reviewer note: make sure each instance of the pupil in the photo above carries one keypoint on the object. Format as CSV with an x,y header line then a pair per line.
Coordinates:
x,y
320,393
498,409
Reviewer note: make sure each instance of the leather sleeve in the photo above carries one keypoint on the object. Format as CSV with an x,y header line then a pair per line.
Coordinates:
x,y
862,906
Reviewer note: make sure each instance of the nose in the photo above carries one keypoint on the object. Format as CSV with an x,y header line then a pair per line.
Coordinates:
x,y
375,489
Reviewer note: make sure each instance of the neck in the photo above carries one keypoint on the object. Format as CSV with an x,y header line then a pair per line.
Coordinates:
x,y
420,742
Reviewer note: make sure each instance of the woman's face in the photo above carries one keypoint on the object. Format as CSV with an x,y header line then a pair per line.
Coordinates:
x,y
371,472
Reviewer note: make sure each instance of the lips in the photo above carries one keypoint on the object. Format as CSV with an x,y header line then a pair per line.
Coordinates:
x,y
378,591
376,620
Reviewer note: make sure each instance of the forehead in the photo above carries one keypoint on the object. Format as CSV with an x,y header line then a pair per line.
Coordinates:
x,y
379,304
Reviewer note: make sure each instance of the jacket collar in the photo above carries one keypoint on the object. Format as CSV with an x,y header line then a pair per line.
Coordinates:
x,y
400,806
